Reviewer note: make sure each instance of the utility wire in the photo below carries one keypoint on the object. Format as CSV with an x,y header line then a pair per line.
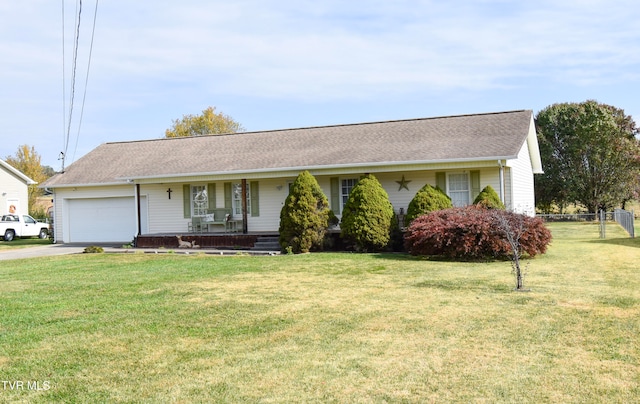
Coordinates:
x,y
64,93
86,81
73,82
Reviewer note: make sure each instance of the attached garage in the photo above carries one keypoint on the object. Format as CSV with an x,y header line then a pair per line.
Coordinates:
x,y
100,220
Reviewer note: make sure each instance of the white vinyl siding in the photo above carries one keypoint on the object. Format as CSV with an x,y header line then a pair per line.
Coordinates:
x,y
62,196
165,215
13,188
519,181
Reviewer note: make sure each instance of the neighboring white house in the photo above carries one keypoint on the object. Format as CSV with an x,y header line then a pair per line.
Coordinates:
x,y
14,190
123,189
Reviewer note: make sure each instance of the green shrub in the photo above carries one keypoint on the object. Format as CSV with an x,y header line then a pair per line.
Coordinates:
x,y
93,249
489,199
304,216
367,215
428,199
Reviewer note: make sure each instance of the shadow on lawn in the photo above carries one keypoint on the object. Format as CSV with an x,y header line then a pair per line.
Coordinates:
x,y
398,257
626,242
465,285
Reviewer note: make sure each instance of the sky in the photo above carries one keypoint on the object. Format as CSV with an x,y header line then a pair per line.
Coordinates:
x,y
290,64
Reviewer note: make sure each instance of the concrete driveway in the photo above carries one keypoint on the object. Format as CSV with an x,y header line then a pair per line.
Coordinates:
x,y
40,251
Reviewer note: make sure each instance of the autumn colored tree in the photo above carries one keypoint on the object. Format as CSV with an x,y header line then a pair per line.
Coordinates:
x,y
209,122
590,155
28,161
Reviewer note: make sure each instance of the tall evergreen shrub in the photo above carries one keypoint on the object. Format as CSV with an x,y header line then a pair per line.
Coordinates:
x,y
488,198
304,216
367,215
428,199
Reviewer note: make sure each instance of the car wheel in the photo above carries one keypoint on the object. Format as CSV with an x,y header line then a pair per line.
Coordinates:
x,y
43,233
9,235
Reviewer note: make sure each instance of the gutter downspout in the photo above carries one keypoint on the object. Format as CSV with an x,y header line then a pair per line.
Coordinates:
x,y
53,225
501,171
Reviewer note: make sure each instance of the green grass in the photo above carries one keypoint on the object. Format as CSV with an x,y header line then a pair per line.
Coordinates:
x,y
22,243
326,327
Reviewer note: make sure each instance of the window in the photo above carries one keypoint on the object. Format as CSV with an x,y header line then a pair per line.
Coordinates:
x,y
237,200
199,200
345,189
459,189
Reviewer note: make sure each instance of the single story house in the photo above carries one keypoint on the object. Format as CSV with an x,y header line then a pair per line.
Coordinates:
x,y
124,189
14,190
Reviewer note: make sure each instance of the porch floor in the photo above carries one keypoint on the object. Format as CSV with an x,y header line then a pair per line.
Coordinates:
x,y
236,241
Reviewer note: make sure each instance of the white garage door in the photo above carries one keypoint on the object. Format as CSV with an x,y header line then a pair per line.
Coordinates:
x,y
102,220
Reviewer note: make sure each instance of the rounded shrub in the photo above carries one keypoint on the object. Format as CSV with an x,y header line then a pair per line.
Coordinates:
x,y
473,232
428,199
93,249
488,198
304,216
367,215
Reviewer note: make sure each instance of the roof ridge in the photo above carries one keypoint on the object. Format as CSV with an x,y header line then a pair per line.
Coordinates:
x,y
321,126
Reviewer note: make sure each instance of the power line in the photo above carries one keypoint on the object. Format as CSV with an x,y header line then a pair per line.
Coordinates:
x,y
64,92
73,81
86,81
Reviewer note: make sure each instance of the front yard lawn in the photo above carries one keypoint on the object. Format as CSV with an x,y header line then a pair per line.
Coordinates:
x,y
22,243
325,327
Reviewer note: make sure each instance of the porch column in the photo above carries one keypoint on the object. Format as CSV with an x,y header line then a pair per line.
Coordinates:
x,y
138,215
501,191
244,207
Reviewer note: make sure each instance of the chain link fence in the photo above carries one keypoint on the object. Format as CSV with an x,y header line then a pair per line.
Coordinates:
x,y
623,217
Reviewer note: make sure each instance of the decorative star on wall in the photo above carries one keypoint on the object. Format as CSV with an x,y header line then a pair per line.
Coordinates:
x,y
403,184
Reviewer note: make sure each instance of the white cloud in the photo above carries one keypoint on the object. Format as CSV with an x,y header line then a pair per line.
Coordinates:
x,y
324,50
176,55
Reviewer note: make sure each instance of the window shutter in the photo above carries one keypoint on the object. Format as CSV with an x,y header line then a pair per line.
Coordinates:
x,y
335,195
475,184
255,198
228,197
441,181
186,200
211,193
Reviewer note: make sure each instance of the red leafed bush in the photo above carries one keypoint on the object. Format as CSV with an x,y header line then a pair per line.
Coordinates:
x,y
475,233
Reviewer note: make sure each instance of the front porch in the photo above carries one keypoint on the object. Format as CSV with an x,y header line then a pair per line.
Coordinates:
x,y
266,241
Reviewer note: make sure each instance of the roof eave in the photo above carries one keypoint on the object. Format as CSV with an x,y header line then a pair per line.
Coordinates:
x,y
17,173
95,184
319,167
534,149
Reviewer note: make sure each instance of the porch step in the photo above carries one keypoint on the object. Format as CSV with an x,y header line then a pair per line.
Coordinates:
x,y
267,243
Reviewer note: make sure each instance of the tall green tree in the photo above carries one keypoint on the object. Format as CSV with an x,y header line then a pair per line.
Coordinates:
x,y
28,161
367,215
304,216
590,155
209,122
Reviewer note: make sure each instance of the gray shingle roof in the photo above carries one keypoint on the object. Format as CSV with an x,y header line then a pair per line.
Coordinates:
x,y
464,137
